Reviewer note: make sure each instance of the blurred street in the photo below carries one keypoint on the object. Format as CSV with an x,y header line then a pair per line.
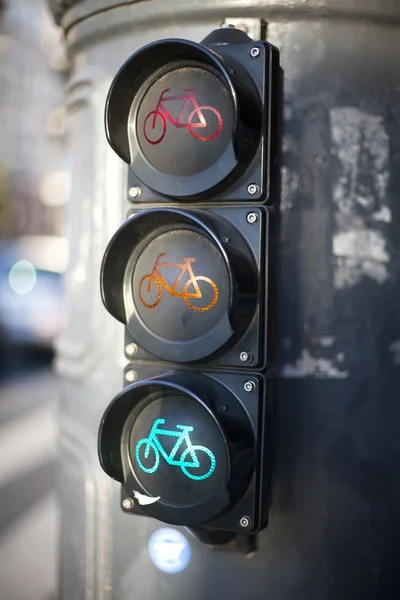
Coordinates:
x,y
35,183
28,510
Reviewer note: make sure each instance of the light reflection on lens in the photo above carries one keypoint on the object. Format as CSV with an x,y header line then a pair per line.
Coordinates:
x,y
22,277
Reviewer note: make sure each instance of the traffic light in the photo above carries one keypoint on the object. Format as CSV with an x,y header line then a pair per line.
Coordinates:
x,y
190,274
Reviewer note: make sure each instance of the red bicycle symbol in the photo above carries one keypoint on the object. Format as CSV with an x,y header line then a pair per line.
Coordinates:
x,y
155,124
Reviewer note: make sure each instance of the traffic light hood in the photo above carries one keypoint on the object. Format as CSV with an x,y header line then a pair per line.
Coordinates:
x,y
185,117
141,67
146,442
208,288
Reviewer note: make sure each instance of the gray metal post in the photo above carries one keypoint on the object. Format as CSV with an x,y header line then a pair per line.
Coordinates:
x,y
335,517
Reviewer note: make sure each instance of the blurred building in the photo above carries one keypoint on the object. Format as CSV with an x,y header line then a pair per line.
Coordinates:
x,y
34,179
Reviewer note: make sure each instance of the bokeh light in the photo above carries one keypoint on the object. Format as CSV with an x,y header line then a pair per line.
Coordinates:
x,y
22,277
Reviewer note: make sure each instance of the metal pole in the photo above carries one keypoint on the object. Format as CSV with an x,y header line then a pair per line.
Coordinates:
x,y
334,520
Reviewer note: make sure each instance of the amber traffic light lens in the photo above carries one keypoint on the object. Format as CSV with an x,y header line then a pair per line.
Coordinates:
x,y
180,285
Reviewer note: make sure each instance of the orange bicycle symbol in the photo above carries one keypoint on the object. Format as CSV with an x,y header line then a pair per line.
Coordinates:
x,y
155,124
156,278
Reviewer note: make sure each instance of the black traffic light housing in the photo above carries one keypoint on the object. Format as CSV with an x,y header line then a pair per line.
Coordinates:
x,y
242,79
224,402
241,273
191,276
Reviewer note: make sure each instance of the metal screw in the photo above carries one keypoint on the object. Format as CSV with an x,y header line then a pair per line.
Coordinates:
x,y
245,522
225,240
128,503
255,52
249,386
131,349
231,71
130,376
222,408
246,356
252,218
253,189
134,192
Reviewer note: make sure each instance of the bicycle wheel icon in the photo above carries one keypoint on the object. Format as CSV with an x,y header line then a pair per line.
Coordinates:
x,y
201,118
210,458
190,296
154,127
150,291
147,456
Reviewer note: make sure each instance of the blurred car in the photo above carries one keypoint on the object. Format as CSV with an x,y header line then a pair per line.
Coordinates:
x,y
31,292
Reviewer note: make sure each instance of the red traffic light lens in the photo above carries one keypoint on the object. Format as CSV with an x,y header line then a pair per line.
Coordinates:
x,y
185,121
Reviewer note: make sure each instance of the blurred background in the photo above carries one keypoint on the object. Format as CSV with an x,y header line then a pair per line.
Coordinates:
x,y
34,192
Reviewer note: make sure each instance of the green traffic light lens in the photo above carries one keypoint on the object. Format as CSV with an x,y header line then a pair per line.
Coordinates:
x,y
177,451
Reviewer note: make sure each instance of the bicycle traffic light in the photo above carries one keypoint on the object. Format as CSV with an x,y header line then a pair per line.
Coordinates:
x,y
190,275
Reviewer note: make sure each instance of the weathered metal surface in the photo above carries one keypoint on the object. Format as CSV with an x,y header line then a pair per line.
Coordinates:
x,y
335,515
70,12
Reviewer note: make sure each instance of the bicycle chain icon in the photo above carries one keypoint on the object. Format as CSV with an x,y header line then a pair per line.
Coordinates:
x,y
156,278
155,123
189,457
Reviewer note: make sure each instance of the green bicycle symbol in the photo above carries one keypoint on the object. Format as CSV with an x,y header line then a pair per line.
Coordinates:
x,y
188,457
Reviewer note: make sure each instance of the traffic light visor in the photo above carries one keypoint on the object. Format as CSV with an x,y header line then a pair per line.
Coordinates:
x,y
182,117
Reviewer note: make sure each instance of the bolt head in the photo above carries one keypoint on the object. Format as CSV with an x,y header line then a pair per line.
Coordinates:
x,y
253,189
130,376
128,503
249,386
134,192
255,52
252,218
222,408
131,349
225,240
245,522
246,356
